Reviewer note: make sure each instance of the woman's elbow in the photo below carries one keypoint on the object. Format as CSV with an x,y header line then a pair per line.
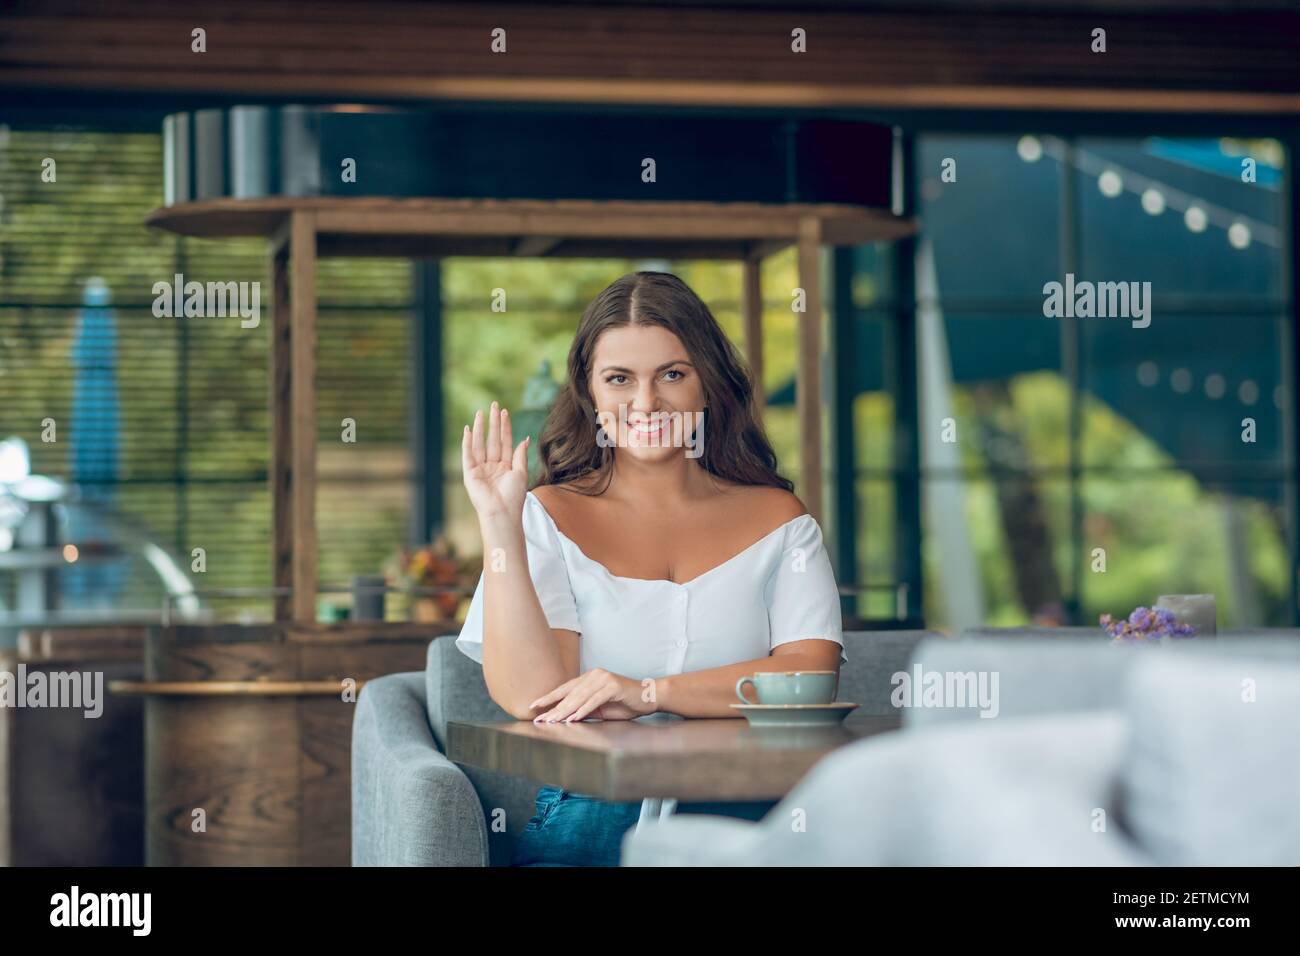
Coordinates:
x,y
512,704
516,711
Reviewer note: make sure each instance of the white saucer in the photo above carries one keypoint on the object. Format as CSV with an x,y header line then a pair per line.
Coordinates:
x,y
795,715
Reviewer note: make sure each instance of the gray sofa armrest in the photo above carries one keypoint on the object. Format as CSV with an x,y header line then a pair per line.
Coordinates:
x,y
1038,672
1020,793
411,806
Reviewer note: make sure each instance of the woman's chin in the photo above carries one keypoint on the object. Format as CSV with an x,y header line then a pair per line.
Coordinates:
x,y
649,453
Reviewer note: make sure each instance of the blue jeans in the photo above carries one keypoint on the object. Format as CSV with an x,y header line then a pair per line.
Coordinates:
x,y
572,829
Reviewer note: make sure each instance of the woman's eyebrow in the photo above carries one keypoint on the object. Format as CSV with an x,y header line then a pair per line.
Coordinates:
x,y
620,368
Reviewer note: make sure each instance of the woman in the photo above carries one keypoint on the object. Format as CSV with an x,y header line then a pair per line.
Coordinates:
x,y
659,559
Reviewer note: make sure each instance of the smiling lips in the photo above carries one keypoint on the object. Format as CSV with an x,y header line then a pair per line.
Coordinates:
x,y
650,429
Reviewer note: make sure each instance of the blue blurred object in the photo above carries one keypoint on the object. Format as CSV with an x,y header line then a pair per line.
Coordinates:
x,y
1209,154
95,435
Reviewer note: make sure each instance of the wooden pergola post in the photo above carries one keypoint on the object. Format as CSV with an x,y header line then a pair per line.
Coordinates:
x,y
302,229
808,384
293,416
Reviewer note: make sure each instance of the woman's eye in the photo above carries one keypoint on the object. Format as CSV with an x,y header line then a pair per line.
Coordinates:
x,y
673,371
615,380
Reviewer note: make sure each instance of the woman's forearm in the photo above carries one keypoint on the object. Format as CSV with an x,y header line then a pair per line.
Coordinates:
x,y
710,693
521,658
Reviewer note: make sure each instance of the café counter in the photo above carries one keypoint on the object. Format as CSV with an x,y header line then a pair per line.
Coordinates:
x,y
247,736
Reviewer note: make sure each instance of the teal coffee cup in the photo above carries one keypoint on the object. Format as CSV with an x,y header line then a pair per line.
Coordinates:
x,y
790,687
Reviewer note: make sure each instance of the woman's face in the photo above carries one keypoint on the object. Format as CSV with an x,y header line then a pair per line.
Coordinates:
x,y
647,393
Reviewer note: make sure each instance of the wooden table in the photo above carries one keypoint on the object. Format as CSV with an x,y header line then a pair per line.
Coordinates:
x,y
722,759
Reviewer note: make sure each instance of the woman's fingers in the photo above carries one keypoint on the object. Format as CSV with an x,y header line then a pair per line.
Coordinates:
x,y
579,693
520,462
491,439
560,710
494,433
476,445
600,697
556,694
507,441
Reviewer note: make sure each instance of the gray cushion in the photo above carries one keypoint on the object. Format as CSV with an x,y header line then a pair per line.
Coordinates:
x,y
411,806
873,658
1032,630
1265,633
1022,792
1210,778
1034,675
456,691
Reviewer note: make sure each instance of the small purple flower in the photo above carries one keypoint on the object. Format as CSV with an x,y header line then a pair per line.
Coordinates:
x,y
1146,626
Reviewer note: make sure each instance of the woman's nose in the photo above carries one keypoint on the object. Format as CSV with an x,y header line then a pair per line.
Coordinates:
x,y
647,399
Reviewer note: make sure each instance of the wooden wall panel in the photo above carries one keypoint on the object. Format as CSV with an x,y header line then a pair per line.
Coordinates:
x,y
1198,56
72,786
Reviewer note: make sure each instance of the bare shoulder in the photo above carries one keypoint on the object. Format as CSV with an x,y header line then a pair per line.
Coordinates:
x,y
560,501
545,494
776,505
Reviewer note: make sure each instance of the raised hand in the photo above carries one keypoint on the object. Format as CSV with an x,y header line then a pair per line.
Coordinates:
x,y
495,471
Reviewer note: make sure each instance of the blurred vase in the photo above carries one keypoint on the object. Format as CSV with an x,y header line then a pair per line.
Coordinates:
x,y
529,417
368,597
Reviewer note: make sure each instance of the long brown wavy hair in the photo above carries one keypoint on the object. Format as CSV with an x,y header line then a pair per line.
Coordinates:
x,y
736,448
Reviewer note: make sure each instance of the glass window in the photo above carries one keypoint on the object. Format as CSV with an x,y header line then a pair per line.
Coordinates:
x,y
1142,412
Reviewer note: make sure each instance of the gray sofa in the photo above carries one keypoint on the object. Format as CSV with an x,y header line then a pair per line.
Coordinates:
x,y
1097,755
411,806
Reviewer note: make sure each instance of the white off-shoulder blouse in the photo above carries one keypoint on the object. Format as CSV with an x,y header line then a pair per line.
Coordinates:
x,y
779,589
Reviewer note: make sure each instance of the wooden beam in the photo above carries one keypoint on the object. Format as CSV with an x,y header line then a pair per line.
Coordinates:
x,y
302,411
752,309
808,386
293,420
1137,98
329,246
926,55
528,246
593,219
742,228
278,403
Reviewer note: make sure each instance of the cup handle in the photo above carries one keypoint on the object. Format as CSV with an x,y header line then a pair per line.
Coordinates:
x,y
740,691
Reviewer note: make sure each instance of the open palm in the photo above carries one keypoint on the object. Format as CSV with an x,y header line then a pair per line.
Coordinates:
x,y
495,471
